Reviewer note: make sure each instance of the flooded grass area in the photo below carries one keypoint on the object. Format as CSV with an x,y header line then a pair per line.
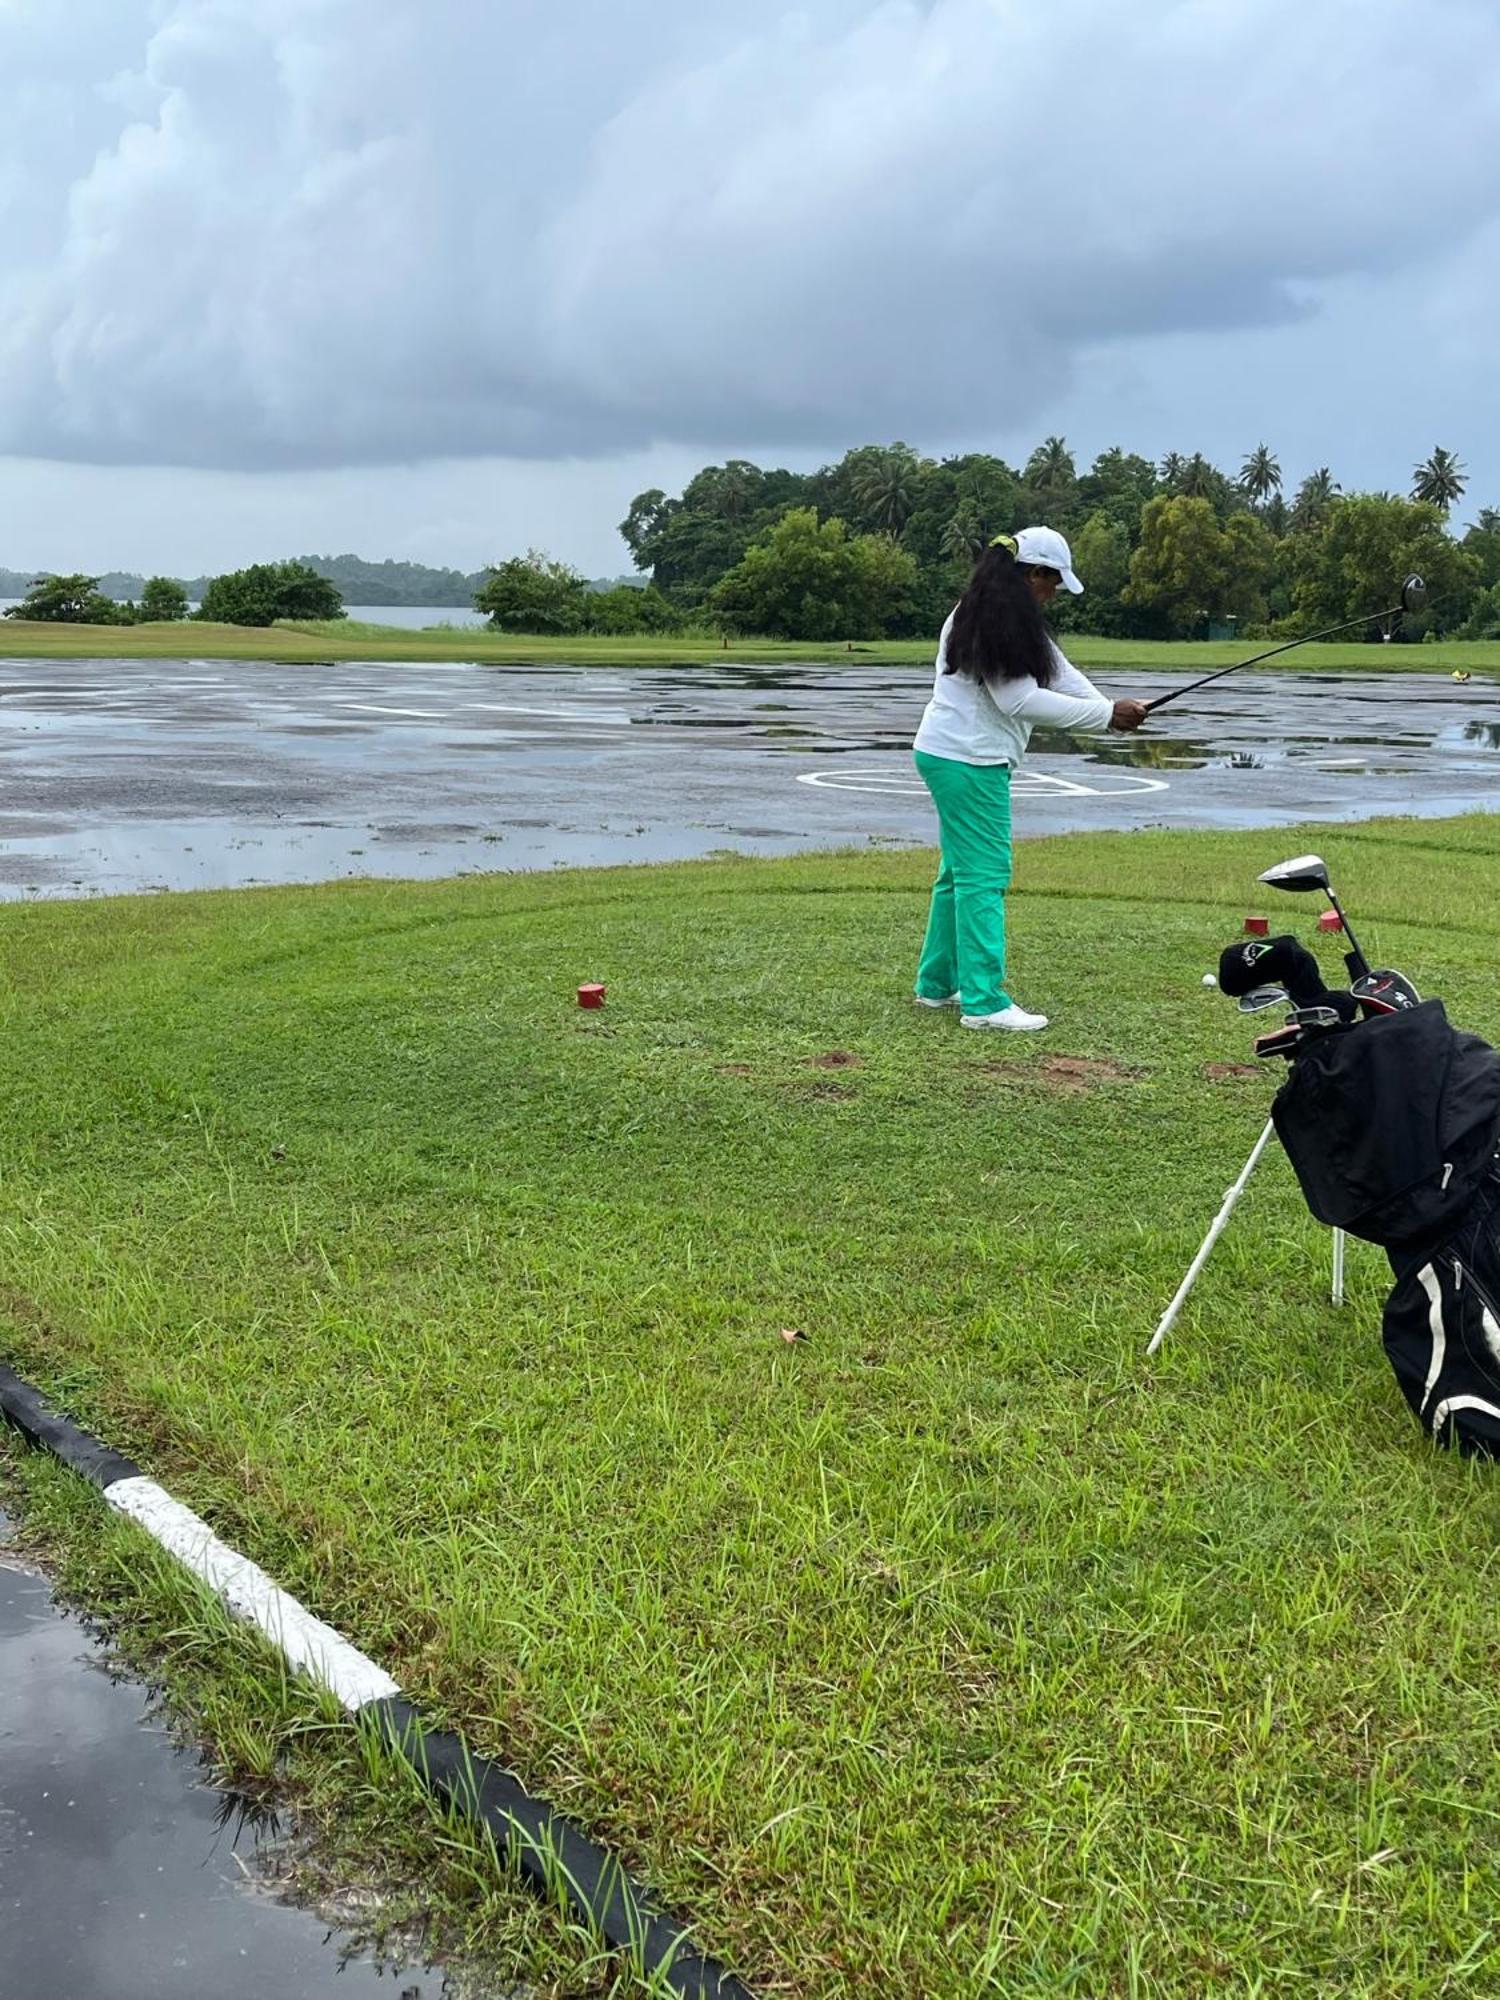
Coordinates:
x,y
123,776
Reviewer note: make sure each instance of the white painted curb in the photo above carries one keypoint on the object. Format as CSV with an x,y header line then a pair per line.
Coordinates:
x,y
309,1645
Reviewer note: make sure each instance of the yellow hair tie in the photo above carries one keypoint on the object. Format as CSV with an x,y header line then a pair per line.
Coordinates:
x,y
1005,542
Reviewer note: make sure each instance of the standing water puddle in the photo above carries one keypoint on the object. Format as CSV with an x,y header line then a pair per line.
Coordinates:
x,y
125,775
123,1876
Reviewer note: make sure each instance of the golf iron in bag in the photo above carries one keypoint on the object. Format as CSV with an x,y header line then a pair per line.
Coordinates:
x,y
1390,1117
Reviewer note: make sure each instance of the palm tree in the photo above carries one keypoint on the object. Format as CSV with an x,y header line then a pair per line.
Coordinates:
x,y
1314,498
1488,522
1260,475
963,537
735,485
1198,478
1050,468
886,486
1439,479
1171,471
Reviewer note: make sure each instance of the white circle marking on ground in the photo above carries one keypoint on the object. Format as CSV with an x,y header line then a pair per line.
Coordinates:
x,y
1025,784
376,708
594,715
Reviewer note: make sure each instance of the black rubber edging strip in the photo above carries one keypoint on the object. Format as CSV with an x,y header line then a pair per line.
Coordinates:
x,y
38,1422
552,1854
553,1857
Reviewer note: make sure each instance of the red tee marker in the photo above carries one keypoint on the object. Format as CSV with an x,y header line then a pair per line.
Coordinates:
x,y
591,996
1257,926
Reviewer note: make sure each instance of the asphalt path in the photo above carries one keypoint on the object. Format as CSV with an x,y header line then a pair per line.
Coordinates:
x,y
125,775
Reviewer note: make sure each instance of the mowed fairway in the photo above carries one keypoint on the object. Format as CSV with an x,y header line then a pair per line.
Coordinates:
x,y
951,1651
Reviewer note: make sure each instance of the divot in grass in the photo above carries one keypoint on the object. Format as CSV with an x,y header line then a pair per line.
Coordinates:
x,y
1065,1075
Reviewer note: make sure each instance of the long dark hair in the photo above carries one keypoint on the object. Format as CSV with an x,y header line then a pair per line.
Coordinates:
x,y
998,632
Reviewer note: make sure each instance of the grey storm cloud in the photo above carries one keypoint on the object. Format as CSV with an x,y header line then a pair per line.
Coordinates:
x,y
280,233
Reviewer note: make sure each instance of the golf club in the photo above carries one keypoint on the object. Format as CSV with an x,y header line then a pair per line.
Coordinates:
x,y
1381,991
1413,598
1262,997
1309,872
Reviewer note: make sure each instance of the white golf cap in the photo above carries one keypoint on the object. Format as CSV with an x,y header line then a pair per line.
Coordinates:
x,y
1046,548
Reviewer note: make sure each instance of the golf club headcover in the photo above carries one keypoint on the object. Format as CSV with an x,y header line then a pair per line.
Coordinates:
x,y
1277,961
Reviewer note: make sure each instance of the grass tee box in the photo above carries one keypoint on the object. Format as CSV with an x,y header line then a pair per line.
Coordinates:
x,y
348,639
946,1651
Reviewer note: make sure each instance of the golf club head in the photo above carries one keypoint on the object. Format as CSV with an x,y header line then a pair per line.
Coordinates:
x,y
1262,997
1317,1020
1386,992
1413,594
1304,871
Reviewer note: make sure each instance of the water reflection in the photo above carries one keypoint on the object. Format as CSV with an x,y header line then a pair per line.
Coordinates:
x,y
1145,753
122,1872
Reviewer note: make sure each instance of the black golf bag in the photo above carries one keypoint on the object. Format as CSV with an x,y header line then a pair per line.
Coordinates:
x,y
1392,1128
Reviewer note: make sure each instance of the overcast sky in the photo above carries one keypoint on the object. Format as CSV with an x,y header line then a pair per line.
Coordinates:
x,y
445,278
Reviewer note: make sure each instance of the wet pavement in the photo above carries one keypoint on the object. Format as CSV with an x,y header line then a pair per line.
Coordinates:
x,y
123,1874
122,775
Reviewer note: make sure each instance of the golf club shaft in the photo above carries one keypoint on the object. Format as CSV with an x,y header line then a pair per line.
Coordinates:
x,y
1270,653
1355,959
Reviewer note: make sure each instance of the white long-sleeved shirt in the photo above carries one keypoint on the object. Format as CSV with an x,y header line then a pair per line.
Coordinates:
x,y
978,722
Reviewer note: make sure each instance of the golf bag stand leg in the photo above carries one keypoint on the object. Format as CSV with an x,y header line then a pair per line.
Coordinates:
x,y
1210,1240
1338,1267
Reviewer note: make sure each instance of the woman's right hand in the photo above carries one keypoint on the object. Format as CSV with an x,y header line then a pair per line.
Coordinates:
x,y
1128,715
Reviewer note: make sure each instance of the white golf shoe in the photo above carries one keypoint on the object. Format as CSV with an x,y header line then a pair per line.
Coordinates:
x,y
1012,1017
923,1000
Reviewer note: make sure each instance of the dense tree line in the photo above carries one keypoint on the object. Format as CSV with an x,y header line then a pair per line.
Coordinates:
x,y
389,582
359,581
120,585
532,594
258,595
78,600
881,543
120,597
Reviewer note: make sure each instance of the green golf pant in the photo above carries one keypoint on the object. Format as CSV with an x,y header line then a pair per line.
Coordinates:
x,y
964,951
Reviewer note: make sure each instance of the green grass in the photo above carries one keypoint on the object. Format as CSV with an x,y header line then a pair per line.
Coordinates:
x,y
348,639
953,1651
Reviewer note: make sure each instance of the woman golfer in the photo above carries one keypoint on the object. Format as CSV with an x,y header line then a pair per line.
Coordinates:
x,y
998,675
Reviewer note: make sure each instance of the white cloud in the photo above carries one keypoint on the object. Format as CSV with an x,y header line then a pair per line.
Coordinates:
x,y
282,233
